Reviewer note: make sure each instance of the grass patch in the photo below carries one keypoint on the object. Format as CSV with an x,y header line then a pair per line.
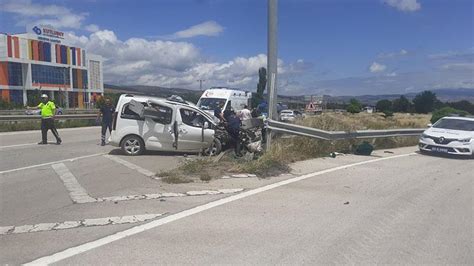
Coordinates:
x,y
203,169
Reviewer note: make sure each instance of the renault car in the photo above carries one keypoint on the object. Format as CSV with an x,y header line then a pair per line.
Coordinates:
x,y
449,135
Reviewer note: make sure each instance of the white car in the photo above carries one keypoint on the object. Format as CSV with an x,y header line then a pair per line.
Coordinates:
x,y
449,135
149,123
290,115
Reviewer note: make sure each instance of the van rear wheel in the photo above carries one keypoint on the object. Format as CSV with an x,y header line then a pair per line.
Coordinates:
x,y
133,145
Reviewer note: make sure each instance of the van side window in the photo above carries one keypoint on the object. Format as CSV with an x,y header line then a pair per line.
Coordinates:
x,y
192,118
162,114
129,114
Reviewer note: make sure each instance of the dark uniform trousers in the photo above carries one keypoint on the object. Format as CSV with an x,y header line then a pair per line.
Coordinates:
x,y
47,124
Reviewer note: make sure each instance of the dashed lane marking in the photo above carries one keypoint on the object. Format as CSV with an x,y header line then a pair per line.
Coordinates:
x,y
8,230
50,163
132,166
73,251
77,193
17,145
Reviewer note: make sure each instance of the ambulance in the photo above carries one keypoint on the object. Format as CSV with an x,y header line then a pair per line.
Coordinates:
x,y
216,96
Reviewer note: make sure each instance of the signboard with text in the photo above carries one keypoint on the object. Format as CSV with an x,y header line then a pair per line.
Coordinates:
x,y
46,33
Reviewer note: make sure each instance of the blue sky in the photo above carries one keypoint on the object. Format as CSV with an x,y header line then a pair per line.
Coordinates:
x,y
338,47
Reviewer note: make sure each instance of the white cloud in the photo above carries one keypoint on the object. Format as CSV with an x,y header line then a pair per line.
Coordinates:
x,y
404,5
92,28
459,66
402,52
139,61
208,28
57,16
376,67
392,74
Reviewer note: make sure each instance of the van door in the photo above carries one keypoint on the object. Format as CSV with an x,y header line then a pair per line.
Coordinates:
x,y
159,119
192,136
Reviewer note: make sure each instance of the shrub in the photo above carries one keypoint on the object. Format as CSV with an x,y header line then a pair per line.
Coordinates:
x,y
446,111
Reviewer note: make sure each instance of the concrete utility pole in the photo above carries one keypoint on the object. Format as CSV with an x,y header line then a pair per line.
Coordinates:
x,y
272,61
200,83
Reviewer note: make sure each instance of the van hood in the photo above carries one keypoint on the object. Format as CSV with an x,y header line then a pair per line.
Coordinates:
x,y
449,133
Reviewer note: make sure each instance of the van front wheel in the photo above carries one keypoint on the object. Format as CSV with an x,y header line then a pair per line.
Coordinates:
x,y
133,145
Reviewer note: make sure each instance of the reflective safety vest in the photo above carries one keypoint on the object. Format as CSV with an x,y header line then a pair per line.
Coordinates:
x,y
47,109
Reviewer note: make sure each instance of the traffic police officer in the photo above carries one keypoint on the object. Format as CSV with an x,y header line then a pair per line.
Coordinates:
x,y
48,111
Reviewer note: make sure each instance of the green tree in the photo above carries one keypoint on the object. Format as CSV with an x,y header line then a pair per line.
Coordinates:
x,y
354,106
262,83
401,105
425,102
462,105
383,106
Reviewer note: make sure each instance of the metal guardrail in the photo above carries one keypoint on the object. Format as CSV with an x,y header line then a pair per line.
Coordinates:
x,y
65,111
339,135
11,118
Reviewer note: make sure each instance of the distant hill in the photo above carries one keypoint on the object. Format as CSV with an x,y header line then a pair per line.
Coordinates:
x,y
444,95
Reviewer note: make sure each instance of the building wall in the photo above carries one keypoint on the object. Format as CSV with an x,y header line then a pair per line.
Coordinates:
x,y
28,53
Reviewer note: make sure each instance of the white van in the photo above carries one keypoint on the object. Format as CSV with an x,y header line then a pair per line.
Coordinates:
x,y
148,123
215,96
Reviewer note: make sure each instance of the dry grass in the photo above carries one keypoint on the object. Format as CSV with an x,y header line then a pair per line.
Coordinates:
x,y
203,169
288,150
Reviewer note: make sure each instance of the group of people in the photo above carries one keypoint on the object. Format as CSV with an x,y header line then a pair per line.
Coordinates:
x,y
232,122
48,112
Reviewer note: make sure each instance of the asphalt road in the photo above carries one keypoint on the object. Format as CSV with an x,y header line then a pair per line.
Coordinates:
x,y
399,207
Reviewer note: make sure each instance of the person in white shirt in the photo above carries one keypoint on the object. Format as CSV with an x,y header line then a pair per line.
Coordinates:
x,y
245,113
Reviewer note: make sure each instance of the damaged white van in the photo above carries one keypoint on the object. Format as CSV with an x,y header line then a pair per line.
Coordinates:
x,y
148,123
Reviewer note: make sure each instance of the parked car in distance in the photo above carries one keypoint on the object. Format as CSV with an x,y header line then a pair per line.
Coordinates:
x,y
449,135
59,111
290,115
149,123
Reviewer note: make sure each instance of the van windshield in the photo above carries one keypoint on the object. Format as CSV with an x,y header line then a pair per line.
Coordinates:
x,y
210,103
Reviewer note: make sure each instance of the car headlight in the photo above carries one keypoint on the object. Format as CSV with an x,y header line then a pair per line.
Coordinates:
x,y
424,136
467,140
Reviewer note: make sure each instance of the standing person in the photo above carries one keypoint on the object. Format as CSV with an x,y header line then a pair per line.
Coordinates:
x,y
107,112
218,112
48,112
245,113
233,128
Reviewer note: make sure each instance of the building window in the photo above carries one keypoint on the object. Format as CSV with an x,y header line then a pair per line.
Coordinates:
x,y
50,75
15,76
79,78
94,71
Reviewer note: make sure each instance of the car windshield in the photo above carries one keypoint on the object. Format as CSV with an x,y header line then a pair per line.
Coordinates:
x,y
455,124
286,112
210,103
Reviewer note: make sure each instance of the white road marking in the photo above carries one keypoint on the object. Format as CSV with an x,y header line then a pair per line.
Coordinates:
x,y
180,215
37,131
50,163
130,165
17,145
8,230
171,195
77,193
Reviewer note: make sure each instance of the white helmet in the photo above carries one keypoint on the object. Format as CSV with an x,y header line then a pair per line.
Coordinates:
x,y
44,96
